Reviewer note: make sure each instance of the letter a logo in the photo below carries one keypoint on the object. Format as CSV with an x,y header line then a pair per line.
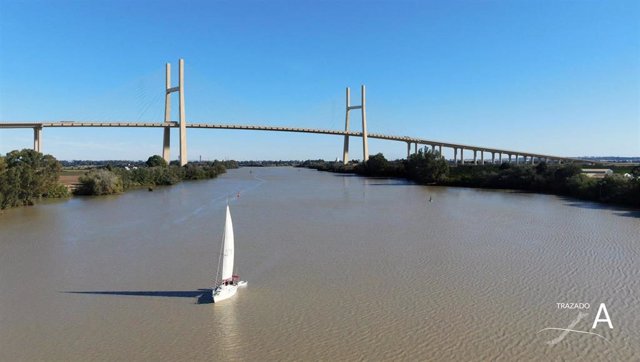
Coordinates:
x,y
602,308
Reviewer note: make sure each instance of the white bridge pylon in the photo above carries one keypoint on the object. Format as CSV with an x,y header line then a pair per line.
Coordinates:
x,y
166,143
365,142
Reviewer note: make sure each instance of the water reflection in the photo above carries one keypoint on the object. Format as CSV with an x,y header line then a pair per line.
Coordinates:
x,y
228,339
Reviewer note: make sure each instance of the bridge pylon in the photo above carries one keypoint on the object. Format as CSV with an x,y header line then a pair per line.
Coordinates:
x,y
166,144
365,142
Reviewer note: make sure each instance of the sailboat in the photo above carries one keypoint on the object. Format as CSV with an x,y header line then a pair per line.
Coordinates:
x,y
229,283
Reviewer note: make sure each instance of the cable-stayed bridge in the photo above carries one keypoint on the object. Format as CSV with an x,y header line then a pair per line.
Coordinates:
x,y
479,152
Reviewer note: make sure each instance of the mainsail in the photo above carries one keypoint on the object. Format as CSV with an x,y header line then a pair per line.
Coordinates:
x,y
227,258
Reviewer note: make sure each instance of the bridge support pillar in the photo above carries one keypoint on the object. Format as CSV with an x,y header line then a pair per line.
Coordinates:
x,y
481,157
365,140
455,155
167,114
37,139
440,150
493,157
183,121
500,158
345,152
475,157
166,141
516,158
532,159
461,156
433,149
415,148
408,150
509,158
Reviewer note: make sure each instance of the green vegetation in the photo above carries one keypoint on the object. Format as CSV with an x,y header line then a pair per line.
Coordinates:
x,y
112,180
100,182
26,176
156,161
429,168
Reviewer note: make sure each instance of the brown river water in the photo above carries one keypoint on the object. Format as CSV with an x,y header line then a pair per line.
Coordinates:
x,y
338,268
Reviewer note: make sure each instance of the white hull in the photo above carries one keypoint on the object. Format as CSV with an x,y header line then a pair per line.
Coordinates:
x,y
223,292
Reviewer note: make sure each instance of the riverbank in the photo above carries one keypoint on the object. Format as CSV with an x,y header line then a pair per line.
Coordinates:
x,y
27,176
564,180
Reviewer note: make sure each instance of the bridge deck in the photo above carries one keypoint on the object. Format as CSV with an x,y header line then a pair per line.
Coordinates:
x,y
72,124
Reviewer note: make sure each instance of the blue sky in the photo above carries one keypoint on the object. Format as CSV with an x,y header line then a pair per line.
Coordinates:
x,y
541,76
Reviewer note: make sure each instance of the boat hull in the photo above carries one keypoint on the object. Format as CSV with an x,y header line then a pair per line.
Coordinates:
x,y
223,292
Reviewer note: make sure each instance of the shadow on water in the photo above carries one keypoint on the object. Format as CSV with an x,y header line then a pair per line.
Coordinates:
x,y
617,210
392,184
203,295
345,175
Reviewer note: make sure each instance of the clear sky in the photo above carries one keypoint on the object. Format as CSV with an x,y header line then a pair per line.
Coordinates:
x,y
541,76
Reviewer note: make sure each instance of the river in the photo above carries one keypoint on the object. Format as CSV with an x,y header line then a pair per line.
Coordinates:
x,y
339,267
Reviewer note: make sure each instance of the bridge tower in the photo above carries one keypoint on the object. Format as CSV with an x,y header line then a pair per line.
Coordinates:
x,y
365,142
166,144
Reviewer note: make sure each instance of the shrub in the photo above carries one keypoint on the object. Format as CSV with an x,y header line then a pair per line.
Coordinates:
x,y
100,182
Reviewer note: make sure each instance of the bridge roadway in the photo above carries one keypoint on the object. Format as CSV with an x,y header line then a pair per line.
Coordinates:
x,y
409,140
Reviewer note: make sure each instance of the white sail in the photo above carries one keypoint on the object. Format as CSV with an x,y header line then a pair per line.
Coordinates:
x,y
227,258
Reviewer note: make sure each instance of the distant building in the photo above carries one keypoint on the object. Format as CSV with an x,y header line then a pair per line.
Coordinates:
x,y
597,172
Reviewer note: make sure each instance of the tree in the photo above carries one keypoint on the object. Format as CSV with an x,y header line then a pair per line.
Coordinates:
x,y
566,171
427,167
541,168
377,164
156,161
27,175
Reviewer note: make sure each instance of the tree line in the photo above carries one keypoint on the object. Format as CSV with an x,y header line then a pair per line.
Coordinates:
x,y
430,168
155,172
27,176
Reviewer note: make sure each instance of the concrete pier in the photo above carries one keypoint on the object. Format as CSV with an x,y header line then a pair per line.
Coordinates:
x,y
408,150
482,157
475,157
461,156
455,155
37,139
